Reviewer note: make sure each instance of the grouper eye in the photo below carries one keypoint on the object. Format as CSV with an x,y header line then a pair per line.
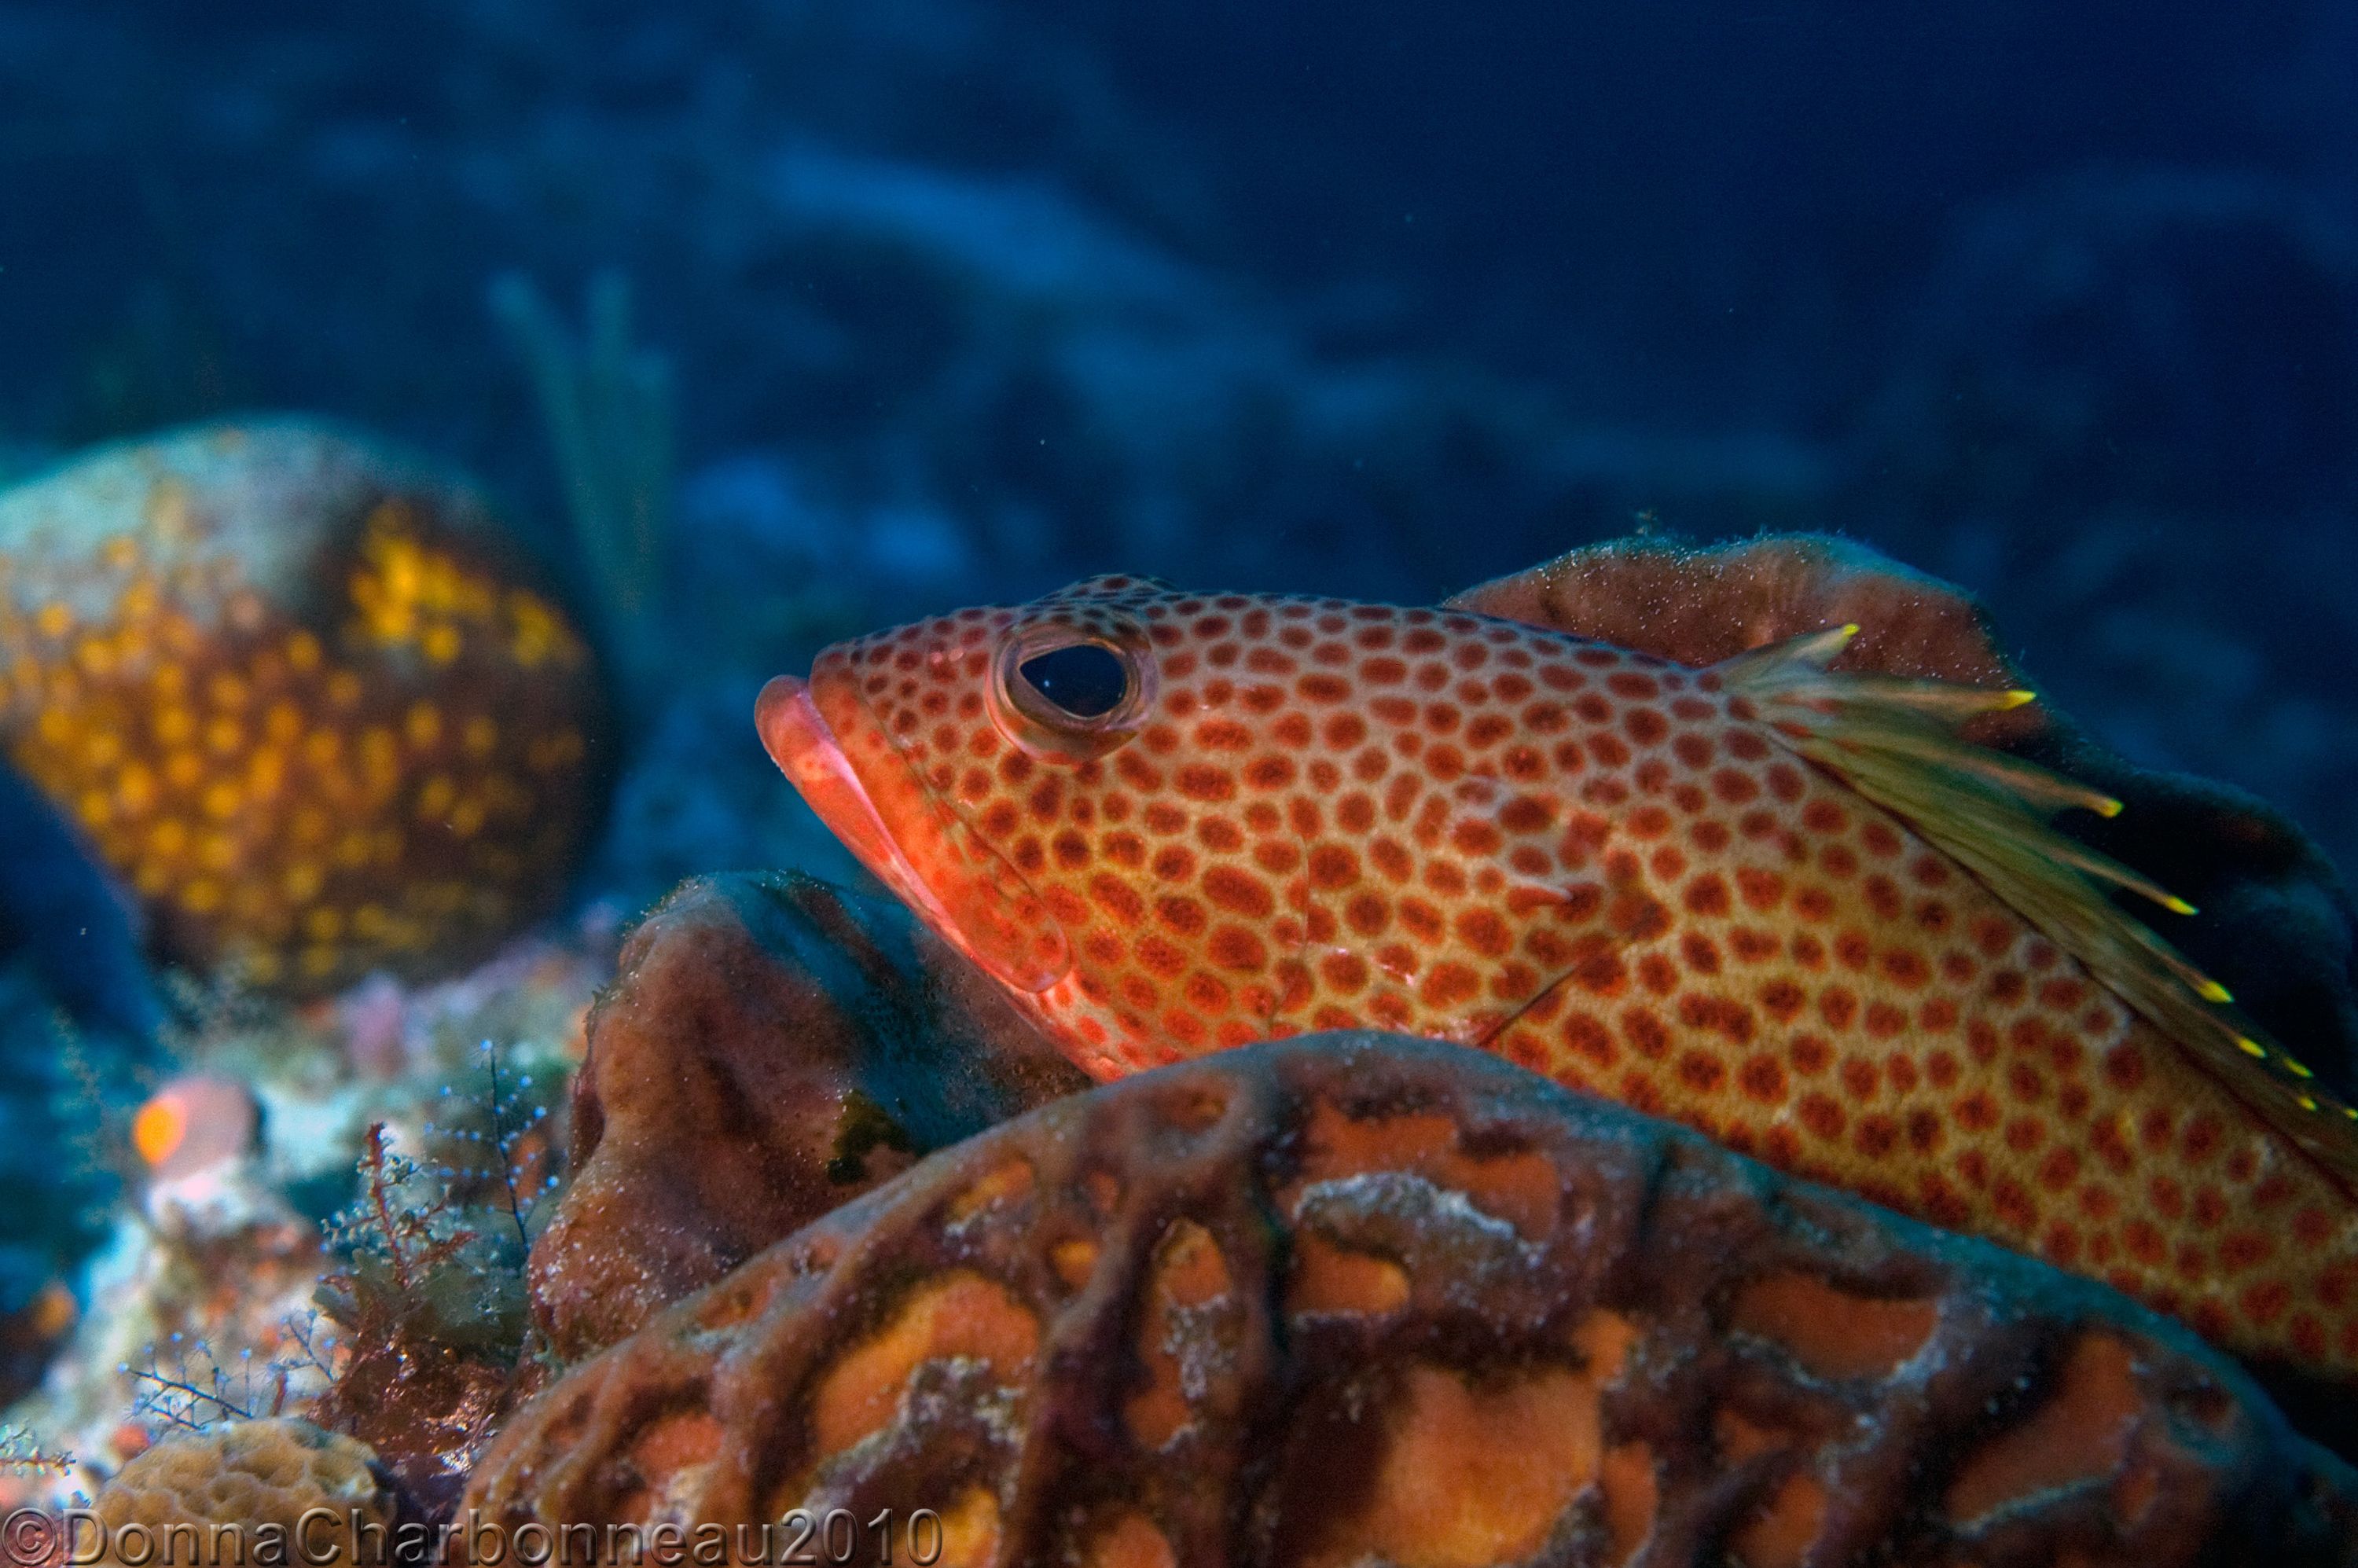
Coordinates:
x,y
1085,679
1068,693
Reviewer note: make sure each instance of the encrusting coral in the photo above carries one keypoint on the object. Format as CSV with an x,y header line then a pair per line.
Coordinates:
x,y
250,1474
301,696
771,1048
194,1123
1358,1298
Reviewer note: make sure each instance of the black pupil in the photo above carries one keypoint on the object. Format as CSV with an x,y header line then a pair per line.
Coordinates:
x,y
1084,680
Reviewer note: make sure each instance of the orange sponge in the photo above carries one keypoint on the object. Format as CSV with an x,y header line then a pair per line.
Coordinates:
x,y
301,697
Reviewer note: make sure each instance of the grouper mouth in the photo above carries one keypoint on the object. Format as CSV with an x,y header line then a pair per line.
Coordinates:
x,y
871,796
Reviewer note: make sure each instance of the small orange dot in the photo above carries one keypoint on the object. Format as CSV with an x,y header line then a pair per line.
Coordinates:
x,y
53,1310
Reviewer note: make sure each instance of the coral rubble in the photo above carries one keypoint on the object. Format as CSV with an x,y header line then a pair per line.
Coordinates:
x,y
771,1048
301,696
205,1303
1352,1298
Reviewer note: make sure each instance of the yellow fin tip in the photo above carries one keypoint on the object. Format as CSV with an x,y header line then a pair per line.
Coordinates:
x,y
2018,696
2177,906
2251,1047
2297,1069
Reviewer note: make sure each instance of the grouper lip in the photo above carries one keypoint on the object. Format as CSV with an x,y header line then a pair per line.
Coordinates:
x,y
815,761
807,752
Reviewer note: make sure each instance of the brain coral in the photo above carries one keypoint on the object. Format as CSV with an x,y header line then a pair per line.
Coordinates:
x,y
250,1473
299,695
1356,1299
